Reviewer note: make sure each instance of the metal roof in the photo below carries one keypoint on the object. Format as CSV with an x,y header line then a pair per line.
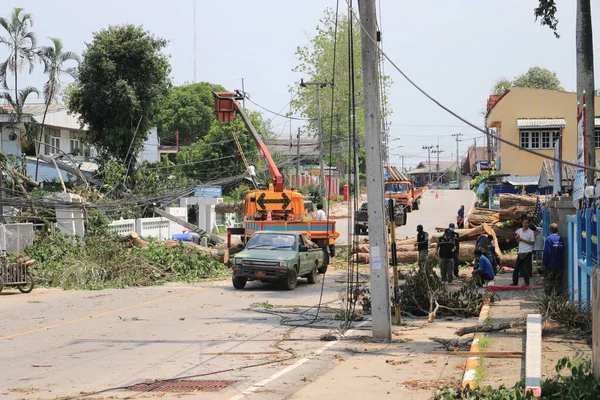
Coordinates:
x,y
521,180
541,123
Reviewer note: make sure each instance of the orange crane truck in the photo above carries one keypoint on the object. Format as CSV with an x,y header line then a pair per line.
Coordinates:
x,y
275,208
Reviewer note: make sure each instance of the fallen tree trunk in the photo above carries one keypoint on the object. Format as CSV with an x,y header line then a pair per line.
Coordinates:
x,y
511,200
479,216
508,260
226,208
505,236
218,255
489,328
135,240
513,214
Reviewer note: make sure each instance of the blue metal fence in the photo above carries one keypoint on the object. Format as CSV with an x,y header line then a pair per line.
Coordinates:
x,y
583,232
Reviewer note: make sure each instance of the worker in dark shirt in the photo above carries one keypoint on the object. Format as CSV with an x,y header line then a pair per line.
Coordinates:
x,y
446,253
552,261
483,270
422,245
456,249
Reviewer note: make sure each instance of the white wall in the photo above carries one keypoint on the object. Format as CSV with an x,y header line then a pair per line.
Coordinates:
x,y
10,146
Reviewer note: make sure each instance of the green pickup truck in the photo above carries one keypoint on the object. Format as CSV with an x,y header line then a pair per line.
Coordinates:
x,y
271,256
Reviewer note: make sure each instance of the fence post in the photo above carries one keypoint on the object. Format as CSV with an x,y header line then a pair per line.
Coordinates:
x,y
596,321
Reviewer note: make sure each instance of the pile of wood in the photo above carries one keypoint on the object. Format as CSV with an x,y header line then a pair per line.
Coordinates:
x,y
513,206
221,255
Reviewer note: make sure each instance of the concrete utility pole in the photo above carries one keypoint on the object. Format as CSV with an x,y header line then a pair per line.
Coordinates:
x,y
585,78
458,168
437,166
428,148
380,281
298,160
319,86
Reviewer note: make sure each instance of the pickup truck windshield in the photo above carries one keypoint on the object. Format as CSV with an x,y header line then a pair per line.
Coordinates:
x,y
396,188
272,241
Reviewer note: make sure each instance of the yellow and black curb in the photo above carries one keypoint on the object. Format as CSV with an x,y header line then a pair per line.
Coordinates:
x,y
469,378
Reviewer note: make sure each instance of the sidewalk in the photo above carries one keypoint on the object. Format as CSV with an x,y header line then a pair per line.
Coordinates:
x,y
403,369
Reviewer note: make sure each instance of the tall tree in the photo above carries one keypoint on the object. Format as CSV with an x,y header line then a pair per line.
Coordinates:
x,y
216,154
21,42
54,59
535,77
584,39
122,80
189,109
316,62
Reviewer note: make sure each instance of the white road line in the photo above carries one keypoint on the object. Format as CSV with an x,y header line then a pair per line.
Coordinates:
x,y
292,367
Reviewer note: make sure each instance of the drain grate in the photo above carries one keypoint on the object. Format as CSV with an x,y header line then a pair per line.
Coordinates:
x,y
180,386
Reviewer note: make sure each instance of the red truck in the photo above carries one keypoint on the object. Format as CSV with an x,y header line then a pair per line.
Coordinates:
x,y
402,190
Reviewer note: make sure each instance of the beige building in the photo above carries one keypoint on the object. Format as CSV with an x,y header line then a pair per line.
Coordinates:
x,y
534,119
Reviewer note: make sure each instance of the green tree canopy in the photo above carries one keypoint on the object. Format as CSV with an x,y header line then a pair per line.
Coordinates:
x,y
216,155
188,109
535,78
122,80
315,63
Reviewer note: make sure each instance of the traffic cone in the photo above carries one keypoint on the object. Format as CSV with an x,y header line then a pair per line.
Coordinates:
x,y
437,194
269,218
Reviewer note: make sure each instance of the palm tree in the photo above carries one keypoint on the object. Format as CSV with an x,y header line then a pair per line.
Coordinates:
x,y
21,42
14,110
54,59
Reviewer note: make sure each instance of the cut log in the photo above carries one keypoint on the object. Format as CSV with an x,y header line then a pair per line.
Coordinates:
x,y
508,260
505,236
134,240
479,216
489,328
513,214
226,208
512,200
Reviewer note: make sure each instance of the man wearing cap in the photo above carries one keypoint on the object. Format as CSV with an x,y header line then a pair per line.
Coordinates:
x,y
446,252
456,249
422,244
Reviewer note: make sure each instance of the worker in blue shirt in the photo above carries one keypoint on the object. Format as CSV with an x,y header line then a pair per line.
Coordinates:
x,y
484,270
552,261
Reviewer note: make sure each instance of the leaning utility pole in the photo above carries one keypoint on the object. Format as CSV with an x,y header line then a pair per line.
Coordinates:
x,y
458,168
319,86
380,281
428,148
585,79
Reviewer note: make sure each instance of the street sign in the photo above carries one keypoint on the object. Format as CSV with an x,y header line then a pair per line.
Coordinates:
x,y
208,191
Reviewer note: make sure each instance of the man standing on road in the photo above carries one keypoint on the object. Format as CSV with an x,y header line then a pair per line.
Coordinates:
x,y
320,214
422,245
456,250
446,253
525,238
552,261
460,218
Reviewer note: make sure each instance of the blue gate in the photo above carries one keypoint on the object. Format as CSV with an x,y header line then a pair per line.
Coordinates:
x,y
582,252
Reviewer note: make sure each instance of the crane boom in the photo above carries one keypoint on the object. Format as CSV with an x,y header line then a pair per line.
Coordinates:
x,y
226,106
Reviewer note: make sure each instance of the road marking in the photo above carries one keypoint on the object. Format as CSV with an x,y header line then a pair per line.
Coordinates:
x,y
290,368
73,321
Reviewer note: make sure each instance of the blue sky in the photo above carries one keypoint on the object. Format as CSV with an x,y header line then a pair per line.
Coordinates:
x,y
456,50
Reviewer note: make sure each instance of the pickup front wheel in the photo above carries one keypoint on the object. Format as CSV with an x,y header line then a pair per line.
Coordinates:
x,y
239,282
289,282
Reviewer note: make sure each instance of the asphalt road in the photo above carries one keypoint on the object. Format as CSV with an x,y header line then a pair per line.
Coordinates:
x,y
93,344
434,211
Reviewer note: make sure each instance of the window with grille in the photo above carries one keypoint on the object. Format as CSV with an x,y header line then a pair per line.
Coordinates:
x,y
597,137
539,139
